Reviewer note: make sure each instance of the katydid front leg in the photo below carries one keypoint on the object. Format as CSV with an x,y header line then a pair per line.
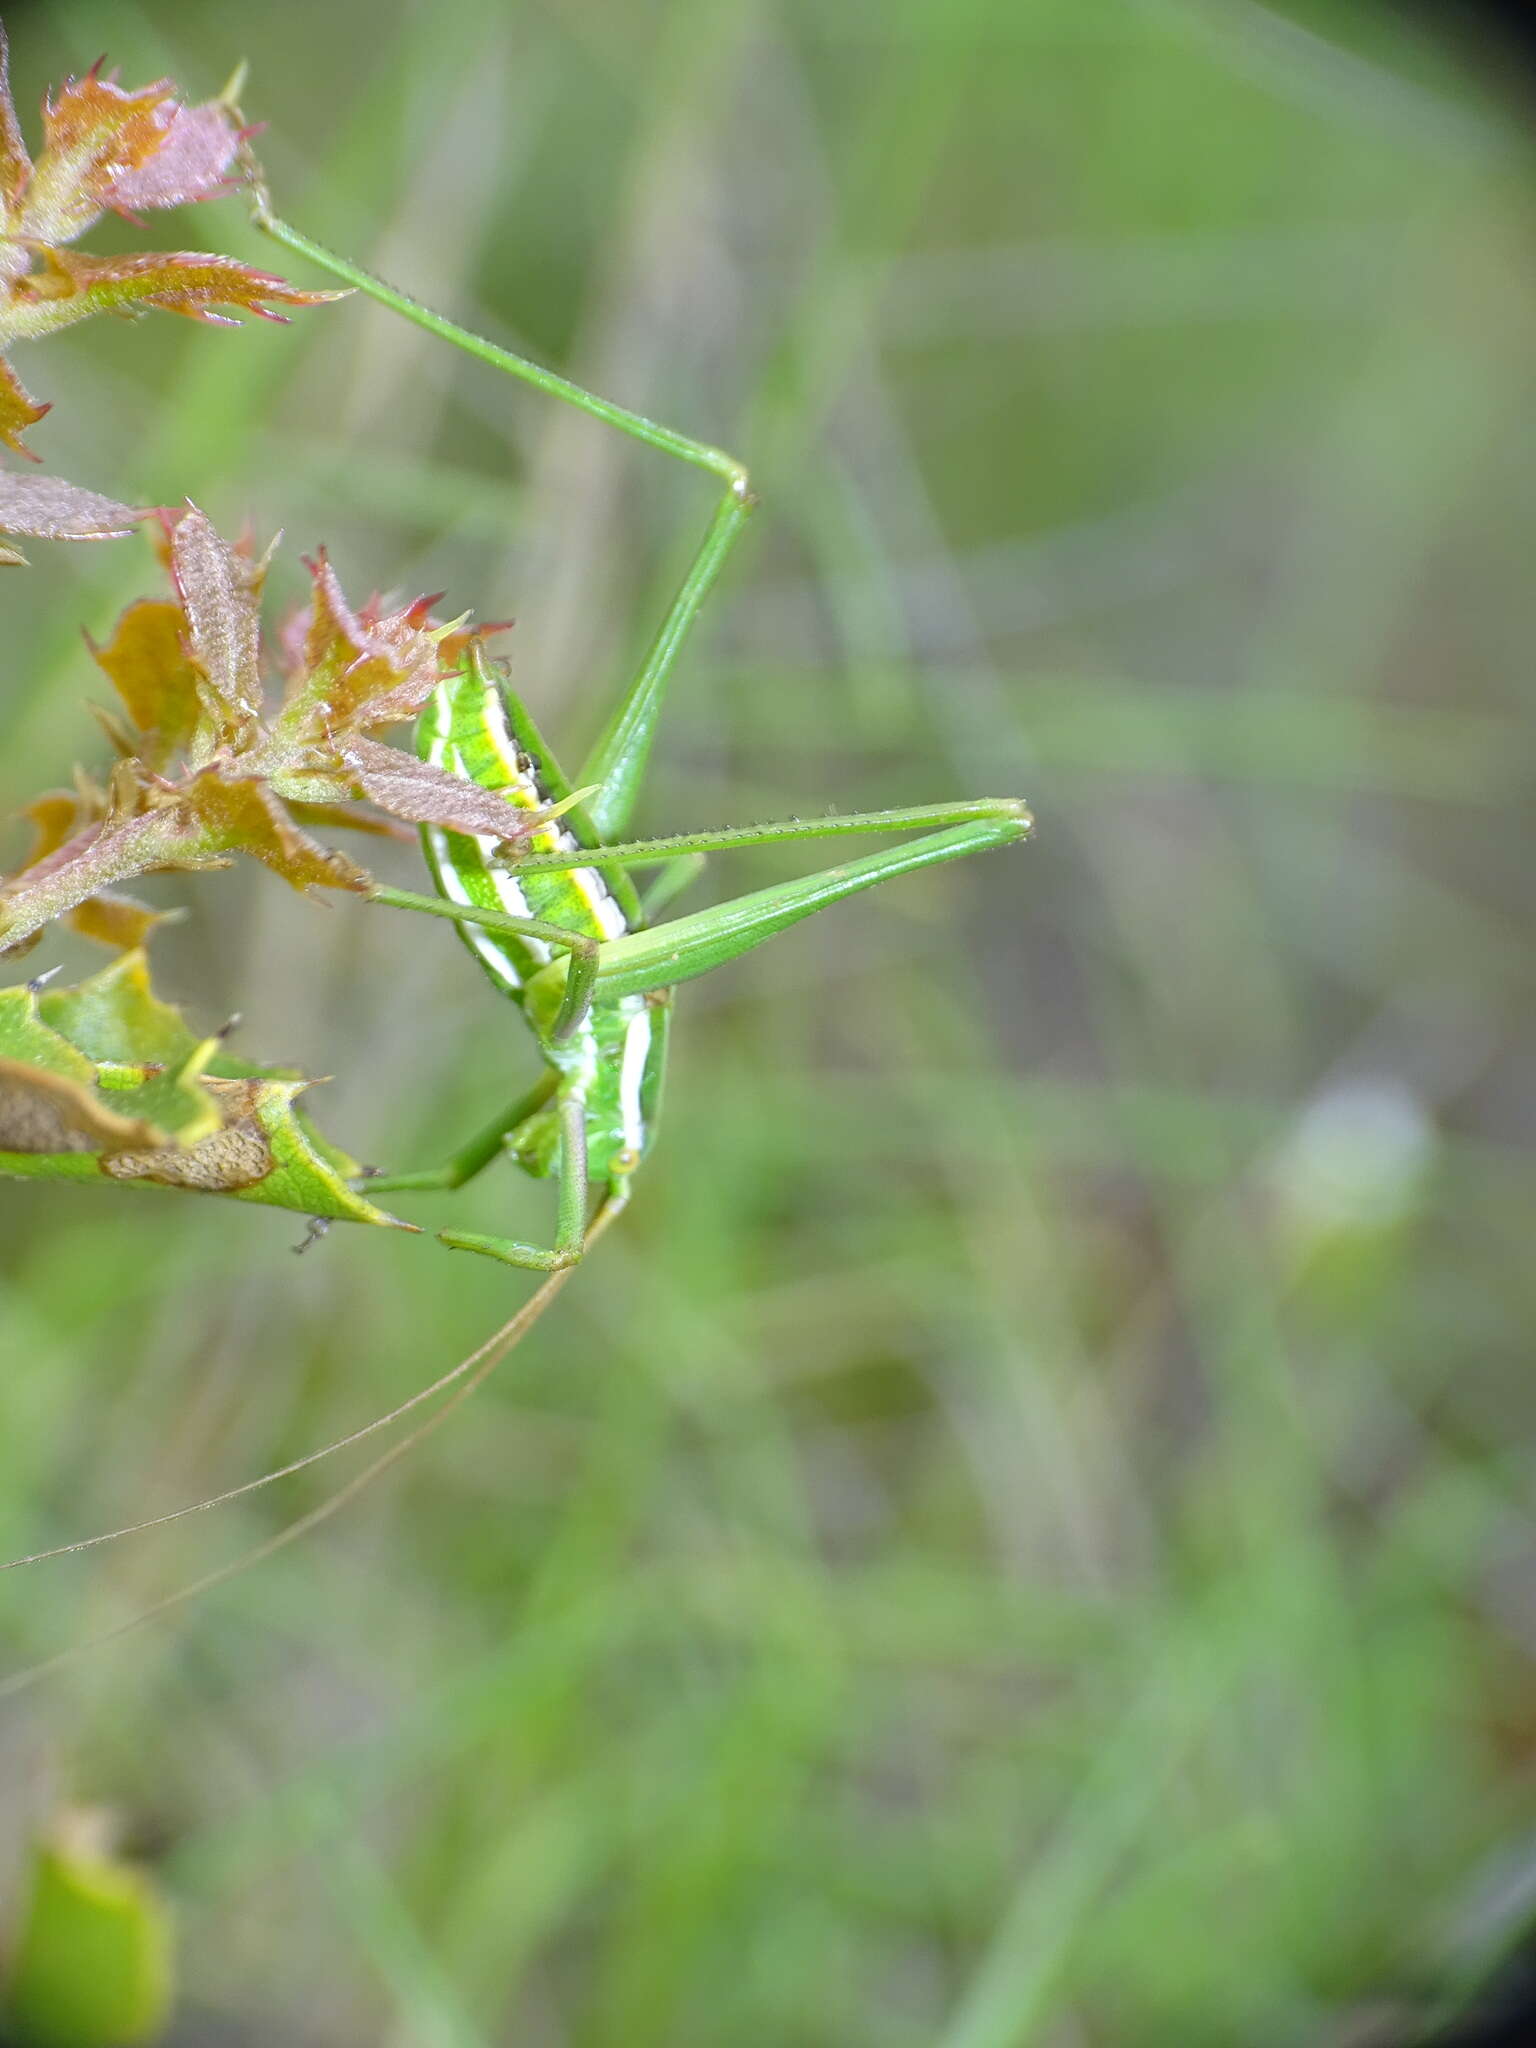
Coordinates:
x,y
581,949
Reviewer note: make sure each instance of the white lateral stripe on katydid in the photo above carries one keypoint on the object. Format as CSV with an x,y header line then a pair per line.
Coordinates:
x,y
492,953
490,950
637,1047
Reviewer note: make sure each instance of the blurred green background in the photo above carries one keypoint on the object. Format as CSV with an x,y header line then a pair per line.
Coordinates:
x,y
1025,1534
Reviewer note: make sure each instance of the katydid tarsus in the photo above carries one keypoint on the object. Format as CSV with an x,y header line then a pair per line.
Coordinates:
x,y
559,925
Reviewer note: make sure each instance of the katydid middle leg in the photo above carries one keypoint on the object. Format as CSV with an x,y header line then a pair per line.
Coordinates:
x,y
581,955
471,1159
581,949
571,1228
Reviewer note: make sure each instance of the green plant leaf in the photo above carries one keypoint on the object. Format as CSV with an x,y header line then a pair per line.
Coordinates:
x,y
104,1082
117,1017
93,1966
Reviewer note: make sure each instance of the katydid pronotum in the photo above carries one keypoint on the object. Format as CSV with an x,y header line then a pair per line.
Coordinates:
x,y
556,921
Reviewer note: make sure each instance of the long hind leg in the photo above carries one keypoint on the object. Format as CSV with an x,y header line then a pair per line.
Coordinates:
x,y
617,763
666,954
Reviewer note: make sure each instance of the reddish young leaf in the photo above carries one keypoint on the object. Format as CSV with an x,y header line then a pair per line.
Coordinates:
x,y
244,816
46,508
94,133
196,151
152,672
105,147
123,922
153,828
220,607
201,774
356,674
61,817
71,287
55,817
15,164
397,782
96,859
348,818
18,411
63,821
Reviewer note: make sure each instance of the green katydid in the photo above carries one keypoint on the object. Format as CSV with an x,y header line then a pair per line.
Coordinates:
x,y
559,926
554,917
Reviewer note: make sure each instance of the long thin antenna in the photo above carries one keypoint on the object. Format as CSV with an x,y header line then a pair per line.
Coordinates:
x,y
478,1367
218,1500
